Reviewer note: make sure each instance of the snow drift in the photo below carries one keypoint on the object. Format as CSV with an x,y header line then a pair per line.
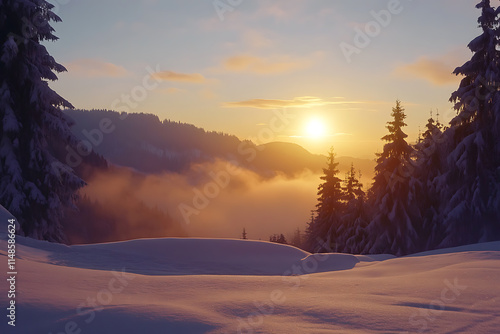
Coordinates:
x,y
241,286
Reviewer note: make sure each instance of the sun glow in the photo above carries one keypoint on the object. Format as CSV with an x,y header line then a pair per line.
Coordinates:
x,y
316,128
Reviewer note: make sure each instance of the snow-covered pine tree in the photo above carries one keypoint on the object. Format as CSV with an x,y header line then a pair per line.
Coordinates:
x,y
392,229
470,189
432,128
351,234
428,166
352,188
34,185
321,232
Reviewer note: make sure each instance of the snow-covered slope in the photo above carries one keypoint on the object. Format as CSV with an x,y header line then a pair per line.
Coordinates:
x,y
173,256
239,286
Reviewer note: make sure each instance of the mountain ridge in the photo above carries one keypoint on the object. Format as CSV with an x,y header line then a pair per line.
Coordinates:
x,y
149,145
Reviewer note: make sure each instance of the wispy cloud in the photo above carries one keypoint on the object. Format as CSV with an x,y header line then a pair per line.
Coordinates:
x,y
180,77
95,68
282,9
338,134
298,102
437,71
259,65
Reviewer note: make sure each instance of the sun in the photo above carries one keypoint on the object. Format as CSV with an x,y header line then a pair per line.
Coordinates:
x,y
315,128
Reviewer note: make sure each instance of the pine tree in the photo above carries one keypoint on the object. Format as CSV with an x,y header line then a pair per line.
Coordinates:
x,y
34,185
309,240
297,239
431,129
352,188
278,238
470,188
329,208
244,234
351,234
423,190
427,151
392,228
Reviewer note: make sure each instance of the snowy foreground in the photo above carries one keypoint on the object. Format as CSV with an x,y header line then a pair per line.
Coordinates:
x,y
238,286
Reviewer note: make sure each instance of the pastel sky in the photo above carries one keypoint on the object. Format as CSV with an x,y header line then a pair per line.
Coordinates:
x,y
231,69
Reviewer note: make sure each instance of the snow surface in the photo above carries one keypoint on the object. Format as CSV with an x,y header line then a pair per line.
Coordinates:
x,y
241,286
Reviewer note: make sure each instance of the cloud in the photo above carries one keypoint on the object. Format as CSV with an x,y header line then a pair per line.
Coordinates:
x,y
282,9
338,134
180,77
436,71
298,102
259,65
95,68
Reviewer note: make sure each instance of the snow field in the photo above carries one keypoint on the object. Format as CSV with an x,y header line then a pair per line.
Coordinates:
x,y
241,286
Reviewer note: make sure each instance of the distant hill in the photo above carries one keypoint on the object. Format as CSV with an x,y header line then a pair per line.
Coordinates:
x,y
149,145
290,158
143,142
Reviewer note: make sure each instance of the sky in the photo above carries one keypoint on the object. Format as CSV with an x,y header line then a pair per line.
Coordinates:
x,y
318,73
